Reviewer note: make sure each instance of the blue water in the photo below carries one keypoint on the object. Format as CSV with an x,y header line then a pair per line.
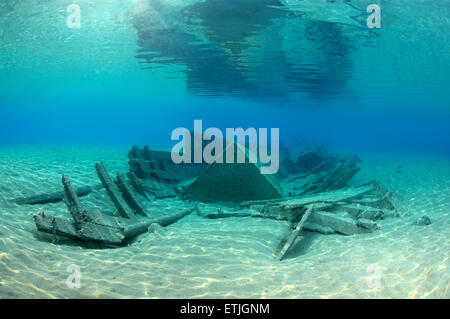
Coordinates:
x,y
136,70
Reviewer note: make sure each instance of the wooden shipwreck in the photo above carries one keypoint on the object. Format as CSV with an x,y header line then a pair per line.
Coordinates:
x,y
312,194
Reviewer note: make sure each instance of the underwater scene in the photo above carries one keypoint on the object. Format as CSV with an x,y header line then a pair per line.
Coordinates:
x,y
279,149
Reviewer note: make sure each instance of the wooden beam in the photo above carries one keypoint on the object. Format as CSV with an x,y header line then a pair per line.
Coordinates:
x,y
137,185
279,254
73,203
106,230
138,228
54,197
343,194
113,192
55,225
128,195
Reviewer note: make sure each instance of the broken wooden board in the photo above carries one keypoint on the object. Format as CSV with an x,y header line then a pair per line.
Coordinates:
x,y
128,195
340,224
152,164
55,197
310,159
55,225
367,212
335,178
164,191
233,182
344,194
135,229
113,192
91,226
107,230
340,195
73,204
292,236
88,231
137,185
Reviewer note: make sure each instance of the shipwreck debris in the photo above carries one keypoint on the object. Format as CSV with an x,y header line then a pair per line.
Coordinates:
x,y
158,165
292,236
113,192
95,226
313,194
233,182
47,198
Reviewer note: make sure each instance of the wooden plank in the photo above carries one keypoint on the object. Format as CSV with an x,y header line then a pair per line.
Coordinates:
x,y
331,178
102,233
103,229
91,226
150,184
113,192
340,224
343,194
164,191
346,176
55,225
139,228
279,254
55,197
137,185
73,203
128,195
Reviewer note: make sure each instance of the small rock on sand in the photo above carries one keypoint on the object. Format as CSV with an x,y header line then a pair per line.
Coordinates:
x,y
423,221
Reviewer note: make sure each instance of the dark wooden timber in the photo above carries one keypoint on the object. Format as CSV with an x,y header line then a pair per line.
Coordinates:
x,y
55,197
115,231
113,192
292,235
137,185
128,195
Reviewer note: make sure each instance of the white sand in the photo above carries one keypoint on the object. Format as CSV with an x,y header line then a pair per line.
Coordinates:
x,y
201,258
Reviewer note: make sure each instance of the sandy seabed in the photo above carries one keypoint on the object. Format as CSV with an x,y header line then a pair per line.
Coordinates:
x,y
224,258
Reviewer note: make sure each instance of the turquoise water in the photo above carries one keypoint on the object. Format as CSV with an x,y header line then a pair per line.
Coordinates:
x,y
312,68
137,69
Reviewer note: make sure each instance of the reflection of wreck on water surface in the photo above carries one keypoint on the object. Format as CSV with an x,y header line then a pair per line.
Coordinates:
x,y
230,38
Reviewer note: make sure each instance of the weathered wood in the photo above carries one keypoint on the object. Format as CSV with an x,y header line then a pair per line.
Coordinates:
x,y
339,195
147,163
110,230
128,195
150,184
331,178
91,226
310,158
113,192
344,178
137,185
138,228
73,204
233,182
55,197
100,232
367,212
340,224
376,202
55,225
164,191
279,254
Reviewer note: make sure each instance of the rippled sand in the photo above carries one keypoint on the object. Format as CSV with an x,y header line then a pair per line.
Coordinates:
x,y
201,258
